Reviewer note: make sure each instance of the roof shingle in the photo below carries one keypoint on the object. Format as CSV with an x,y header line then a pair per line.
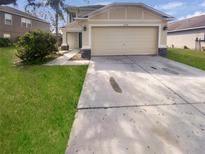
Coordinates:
x,y
190,23
11,10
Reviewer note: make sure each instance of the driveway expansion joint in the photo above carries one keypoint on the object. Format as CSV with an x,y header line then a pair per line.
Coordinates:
x,y
172,90
132,106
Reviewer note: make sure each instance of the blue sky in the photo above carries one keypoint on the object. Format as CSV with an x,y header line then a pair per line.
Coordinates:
x,y
180,9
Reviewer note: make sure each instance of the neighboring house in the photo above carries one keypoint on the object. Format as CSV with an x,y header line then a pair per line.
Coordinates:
x,y
14,23
118,29
187,33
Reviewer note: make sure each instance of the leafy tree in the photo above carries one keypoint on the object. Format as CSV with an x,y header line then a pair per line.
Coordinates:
x,y
58,6
33,4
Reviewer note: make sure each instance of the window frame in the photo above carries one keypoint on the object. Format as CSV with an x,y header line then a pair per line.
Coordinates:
x,y
26,22
8,34
8,17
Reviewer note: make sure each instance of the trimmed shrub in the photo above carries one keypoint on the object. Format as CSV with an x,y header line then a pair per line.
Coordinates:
x,y
35,46
5,42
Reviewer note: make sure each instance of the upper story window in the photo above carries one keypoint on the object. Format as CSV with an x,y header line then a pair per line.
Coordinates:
x,y
8,19
26,23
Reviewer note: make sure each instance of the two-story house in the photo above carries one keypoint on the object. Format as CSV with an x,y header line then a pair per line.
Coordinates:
x,y
14,23
117,29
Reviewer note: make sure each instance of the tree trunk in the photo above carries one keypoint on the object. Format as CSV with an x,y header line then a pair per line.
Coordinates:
x,y
56,24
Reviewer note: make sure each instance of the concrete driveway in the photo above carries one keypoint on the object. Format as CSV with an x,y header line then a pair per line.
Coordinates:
x,y
140,105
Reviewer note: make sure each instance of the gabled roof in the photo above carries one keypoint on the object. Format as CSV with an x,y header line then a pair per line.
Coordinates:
x,y
133,4
187,24
14,11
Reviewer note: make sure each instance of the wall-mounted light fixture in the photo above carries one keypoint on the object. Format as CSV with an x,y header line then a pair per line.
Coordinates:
x,y
84,28
165,28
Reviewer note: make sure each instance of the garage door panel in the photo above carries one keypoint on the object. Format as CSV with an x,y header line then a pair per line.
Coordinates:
x,y
103,40
124,40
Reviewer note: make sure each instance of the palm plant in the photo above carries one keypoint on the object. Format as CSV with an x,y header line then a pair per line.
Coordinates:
x,y
58,6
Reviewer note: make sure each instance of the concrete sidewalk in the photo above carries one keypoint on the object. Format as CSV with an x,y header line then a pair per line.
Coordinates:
x,y
65,59
140,105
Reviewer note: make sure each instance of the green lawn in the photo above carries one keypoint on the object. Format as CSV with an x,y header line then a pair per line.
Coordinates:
x,y
189,57
37,105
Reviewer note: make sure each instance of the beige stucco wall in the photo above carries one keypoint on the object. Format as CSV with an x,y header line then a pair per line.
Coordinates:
x,y
185,38
122,16
126,12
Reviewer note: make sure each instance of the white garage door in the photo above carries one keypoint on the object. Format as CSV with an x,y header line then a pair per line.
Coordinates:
x,y
124,40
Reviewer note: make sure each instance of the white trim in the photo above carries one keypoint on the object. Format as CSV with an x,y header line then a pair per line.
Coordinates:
x,y
178,30
163,46
81,18
159,35
85,47
121,25
126,20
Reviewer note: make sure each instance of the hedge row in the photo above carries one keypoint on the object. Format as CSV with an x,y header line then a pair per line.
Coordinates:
x,y
5,42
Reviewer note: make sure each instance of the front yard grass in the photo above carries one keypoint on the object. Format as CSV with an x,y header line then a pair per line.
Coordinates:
x,y
187,56
37,105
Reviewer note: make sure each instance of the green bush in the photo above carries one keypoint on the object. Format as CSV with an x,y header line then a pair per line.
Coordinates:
x,y
35,46
5,42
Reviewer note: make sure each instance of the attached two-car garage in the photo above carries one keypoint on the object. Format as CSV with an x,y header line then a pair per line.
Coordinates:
x,y
112,40
121,29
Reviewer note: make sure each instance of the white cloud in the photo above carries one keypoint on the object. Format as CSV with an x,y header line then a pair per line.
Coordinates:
x,y
171,5
197,13
203,3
